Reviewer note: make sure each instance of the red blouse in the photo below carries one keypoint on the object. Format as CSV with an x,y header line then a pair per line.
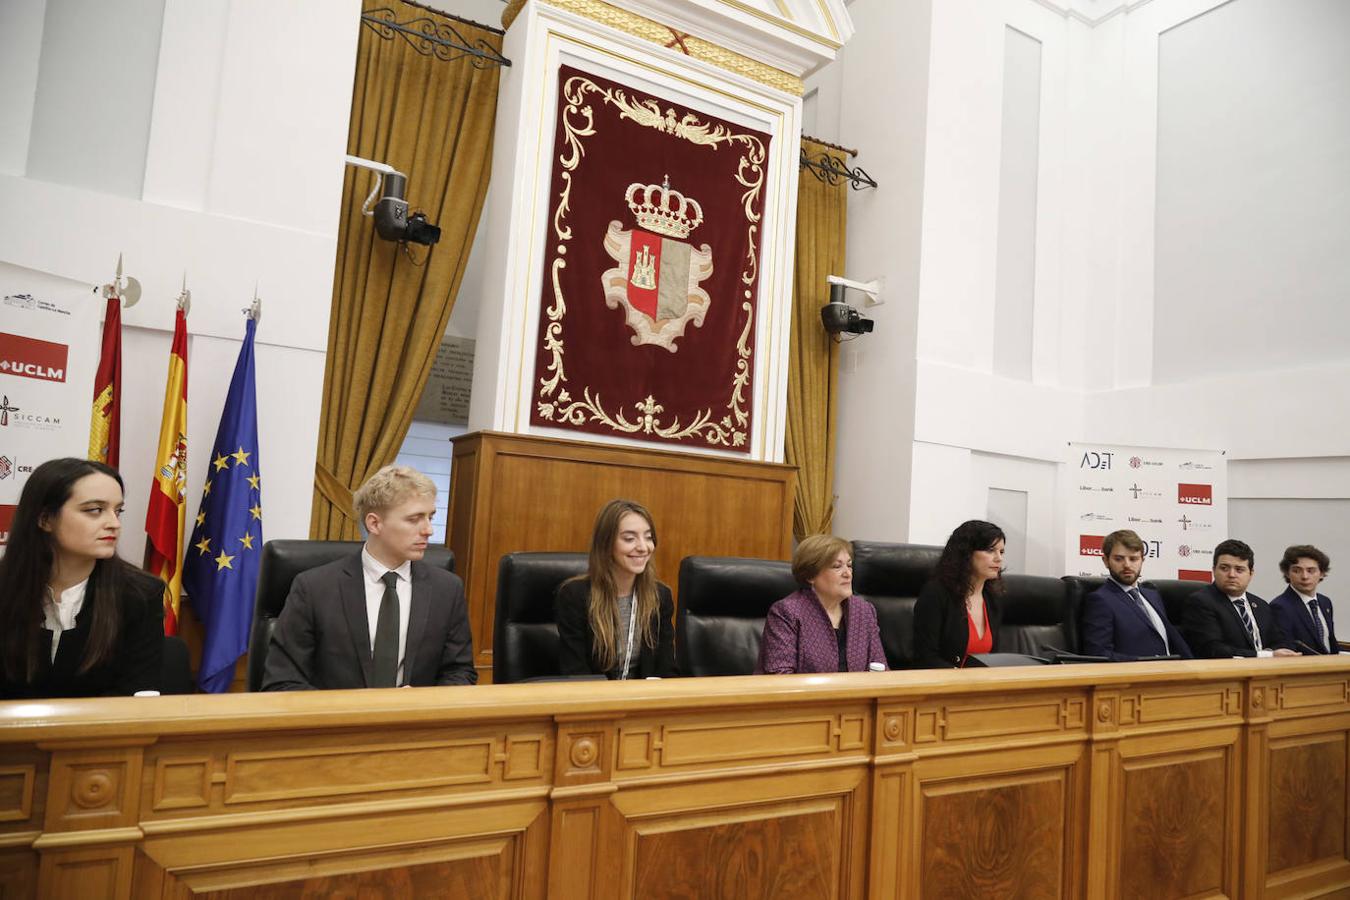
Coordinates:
x,y
975,643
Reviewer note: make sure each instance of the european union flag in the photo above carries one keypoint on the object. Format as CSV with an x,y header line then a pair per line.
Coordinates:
x,y
220,572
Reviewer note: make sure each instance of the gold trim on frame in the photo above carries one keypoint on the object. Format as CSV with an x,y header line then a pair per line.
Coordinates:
x,y
695,47
555,403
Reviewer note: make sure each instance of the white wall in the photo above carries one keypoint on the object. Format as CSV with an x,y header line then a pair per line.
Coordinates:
x,y
242,182
1100,206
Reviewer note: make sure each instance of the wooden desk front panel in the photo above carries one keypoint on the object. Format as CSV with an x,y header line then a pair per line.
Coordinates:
x,y
1223,779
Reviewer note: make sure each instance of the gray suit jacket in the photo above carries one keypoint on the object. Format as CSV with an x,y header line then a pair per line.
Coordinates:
x,y
322,638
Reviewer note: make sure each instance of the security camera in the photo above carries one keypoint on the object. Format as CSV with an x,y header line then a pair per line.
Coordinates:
x,y
837,316
392,221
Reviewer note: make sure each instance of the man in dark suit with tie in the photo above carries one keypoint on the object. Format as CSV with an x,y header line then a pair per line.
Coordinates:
x,y
1304,614
381,617
1122,620
1223,620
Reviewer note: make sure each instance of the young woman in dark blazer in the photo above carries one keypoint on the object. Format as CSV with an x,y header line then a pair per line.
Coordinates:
x,y
957,614
75,620
616,619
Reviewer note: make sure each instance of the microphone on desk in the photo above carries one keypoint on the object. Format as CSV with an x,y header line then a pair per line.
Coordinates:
x,y
1309,650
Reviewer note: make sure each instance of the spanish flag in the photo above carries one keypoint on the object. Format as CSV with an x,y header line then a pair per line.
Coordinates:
x,y
164,517
105,427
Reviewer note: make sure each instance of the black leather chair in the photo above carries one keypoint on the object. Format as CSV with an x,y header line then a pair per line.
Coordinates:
x,y
1174,593
524,632
283,560
1039,616
723,602
891,576
176,670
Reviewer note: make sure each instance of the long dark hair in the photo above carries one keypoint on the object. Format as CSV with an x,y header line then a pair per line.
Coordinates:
x,y
603,606
27,567
954,569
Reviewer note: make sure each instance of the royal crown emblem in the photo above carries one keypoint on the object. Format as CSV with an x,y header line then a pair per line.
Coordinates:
x,y
656,281
663,210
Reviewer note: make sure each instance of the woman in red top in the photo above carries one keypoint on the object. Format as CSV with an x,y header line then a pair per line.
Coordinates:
x,y
957,614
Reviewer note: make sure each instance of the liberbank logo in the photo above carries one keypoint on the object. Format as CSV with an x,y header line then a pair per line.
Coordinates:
x,y
31,358
1195,494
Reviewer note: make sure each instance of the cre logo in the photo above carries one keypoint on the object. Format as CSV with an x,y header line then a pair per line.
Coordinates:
x,y
1195,494
1096,459
1184,550
1135,462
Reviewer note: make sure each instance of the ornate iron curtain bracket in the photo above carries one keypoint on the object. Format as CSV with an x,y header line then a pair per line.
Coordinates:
x,y
831,169
434,37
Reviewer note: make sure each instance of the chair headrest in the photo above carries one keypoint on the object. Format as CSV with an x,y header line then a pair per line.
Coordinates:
x,y
527,582
1034,600
733,587
282,560
883,569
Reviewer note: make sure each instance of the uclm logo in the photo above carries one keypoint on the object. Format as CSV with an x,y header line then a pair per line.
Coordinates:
x,y
1195,494
6,517
1090,544
1195,575
32,358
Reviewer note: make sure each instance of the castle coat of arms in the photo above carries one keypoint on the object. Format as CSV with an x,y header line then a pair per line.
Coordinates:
x,y
656,281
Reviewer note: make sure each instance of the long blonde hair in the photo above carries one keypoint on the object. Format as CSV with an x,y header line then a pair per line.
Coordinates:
x,y
602,610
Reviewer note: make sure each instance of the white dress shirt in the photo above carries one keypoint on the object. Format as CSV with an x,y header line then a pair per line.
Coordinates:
x,y
1152,613
59,612
1315,611
372,571
1256,626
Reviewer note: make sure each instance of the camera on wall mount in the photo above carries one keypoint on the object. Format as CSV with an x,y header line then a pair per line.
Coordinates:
x,y
392,221
839,317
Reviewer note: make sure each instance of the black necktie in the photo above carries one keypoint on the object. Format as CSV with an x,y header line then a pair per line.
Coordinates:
x,y
1318,624
384,672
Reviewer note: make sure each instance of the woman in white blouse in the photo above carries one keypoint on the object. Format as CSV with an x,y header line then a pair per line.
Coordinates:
x,y
75,620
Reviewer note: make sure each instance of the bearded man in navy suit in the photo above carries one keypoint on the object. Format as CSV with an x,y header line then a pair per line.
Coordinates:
x,y
1304,614
1122,620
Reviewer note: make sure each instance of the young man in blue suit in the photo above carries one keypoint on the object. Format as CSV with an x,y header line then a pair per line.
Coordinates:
x,y
1304,614
1121,619
1223,620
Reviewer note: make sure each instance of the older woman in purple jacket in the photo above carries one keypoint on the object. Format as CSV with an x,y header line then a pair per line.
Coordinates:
x,y
823,627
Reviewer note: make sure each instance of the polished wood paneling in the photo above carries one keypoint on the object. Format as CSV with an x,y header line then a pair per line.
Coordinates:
x,y
1174,840
512,492
1207,778
998,838
1307,801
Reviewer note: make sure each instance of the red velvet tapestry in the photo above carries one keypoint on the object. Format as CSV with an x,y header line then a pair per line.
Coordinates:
x,y
646,329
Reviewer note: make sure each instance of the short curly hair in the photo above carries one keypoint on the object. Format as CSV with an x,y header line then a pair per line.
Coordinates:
x,y
1304,551
389,487
816,553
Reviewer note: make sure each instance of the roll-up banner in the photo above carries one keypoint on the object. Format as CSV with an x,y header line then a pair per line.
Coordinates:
x,y
1175,500
48,352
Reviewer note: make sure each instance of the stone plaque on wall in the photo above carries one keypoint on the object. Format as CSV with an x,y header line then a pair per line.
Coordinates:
x,y
446,398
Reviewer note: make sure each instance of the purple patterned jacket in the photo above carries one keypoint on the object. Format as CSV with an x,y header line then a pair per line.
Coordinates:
x,y
798,637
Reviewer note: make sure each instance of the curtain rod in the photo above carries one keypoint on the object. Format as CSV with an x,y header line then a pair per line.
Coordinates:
x,y
432,38
832,169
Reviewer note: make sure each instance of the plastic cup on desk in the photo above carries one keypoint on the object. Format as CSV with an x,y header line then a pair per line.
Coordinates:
x,y
876,667
146,694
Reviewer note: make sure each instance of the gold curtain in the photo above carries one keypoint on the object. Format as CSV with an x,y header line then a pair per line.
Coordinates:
x,y
433,120
813,370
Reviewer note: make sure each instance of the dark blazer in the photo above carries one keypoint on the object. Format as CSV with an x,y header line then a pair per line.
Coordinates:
x,y
1114,625
941,628
134,666
574,635
1214,629
1292,614
322,638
